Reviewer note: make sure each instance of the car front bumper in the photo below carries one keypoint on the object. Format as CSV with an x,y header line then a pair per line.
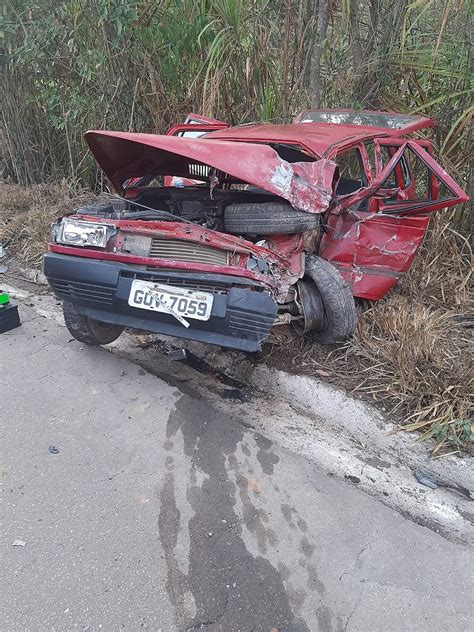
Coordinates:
x,y
242,312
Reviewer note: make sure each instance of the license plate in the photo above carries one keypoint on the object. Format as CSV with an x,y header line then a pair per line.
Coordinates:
x,y
179,302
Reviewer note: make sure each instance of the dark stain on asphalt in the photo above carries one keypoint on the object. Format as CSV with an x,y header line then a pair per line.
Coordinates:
x,y
324,617
266,458
314,583
245,450
168,525
232,589
287,512
316,588
255,519
306,547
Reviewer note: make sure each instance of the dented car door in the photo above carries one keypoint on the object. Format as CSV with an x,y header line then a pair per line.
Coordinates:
x,y
374,244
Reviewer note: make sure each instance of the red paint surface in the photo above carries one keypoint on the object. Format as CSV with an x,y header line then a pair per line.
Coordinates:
x,y
306,185
371,249
122,257
281,252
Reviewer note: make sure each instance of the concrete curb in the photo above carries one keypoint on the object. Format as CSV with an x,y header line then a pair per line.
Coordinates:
x,y
354,441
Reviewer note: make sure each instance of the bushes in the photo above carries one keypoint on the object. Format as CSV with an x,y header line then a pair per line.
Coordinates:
x,y
72,66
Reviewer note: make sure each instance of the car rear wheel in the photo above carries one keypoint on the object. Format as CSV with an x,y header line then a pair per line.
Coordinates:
x,y
267,218
88,330
329,311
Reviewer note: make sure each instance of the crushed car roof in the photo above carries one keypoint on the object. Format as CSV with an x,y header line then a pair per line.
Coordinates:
x,y
394,121
247,152
323,136
319,138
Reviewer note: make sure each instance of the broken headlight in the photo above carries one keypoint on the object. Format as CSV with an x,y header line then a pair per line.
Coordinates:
x,y
73,232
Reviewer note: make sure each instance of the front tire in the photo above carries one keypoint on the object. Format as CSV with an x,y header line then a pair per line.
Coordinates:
x,y
339,315
88,330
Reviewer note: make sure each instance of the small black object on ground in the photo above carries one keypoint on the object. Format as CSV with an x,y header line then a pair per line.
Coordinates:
x,y
9,316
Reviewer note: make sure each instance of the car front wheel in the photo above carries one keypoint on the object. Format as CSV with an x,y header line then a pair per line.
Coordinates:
x,y
327,304
88,330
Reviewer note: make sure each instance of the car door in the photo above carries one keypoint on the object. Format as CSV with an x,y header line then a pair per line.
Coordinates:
x,y
424,188
373,234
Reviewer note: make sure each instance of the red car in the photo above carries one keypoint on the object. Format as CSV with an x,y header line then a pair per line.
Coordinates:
x,y
219,233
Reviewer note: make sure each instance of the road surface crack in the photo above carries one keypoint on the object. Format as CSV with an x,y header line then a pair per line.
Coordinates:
x,y
352,611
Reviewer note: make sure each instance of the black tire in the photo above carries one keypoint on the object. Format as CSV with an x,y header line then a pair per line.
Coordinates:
x,y
340,314
88,330
267,218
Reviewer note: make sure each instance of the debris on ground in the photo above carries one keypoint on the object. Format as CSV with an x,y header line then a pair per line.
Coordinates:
x,y
177,354
3,265
352,479
425,479
433,483
9,316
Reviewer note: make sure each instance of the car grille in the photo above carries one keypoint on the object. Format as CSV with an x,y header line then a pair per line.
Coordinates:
x,y
241,322
189,251
85,292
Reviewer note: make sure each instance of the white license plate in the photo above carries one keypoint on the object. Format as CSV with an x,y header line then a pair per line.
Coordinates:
x,y
179,302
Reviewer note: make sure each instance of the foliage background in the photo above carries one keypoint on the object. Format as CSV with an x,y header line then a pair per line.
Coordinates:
x,y
143,65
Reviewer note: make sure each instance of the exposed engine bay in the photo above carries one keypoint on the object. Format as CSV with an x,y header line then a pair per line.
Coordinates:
x,y
196,204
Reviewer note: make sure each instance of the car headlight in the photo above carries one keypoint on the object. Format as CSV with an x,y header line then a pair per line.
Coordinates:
x,y
73,232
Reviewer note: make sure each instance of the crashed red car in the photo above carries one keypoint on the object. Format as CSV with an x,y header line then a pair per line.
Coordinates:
x,y
219,233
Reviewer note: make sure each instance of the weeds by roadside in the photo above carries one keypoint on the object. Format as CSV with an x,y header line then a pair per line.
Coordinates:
x,y
26,214
411,353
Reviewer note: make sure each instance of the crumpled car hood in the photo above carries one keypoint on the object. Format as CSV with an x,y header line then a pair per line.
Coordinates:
x,y
308,186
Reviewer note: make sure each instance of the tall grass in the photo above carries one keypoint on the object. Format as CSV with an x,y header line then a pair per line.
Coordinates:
x,y
141,65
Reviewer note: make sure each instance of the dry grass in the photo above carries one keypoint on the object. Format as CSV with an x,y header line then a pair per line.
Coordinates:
x,y
411,353
26,214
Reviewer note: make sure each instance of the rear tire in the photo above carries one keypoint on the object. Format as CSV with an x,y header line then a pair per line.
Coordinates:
x,y
267,218
340,315
88,330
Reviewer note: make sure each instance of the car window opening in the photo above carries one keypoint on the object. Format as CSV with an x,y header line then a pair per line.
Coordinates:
x,y
351,170
387,120
416,182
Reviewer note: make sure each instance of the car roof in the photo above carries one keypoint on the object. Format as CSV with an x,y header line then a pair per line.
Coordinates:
x,y
394,121
324,137
317,137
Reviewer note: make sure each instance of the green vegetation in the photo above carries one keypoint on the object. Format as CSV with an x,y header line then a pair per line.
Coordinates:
x,y
143,65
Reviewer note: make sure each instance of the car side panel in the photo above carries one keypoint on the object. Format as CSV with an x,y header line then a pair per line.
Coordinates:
x,y
372,250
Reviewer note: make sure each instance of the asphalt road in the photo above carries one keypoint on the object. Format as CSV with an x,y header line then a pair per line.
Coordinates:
x,y
141,506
